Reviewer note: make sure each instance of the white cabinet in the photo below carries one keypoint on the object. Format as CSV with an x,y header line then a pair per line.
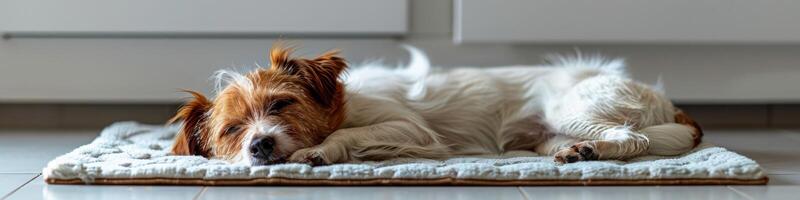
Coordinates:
x,y
159,51
314,17
627,21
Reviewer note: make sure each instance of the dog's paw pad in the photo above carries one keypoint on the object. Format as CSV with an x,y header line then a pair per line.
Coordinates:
x,y
567,155
586,151
309,156
317,160
575,153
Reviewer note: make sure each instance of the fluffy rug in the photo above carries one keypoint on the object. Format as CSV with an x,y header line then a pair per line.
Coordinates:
x,y
132,153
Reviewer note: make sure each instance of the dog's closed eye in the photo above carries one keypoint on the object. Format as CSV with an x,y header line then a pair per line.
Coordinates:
x,y
278,105
231,129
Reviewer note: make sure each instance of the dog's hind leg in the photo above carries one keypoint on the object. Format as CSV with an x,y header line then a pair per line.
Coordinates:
x,y
619,143
617,119
568,149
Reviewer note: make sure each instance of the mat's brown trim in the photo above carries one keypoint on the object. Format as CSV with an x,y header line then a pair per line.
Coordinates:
x,y
439,181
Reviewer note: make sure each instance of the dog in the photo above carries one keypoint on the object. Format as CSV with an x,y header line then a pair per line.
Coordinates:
x,y
306,110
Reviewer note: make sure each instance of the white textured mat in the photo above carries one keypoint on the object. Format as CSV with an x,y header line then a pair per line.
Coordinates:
x,y
131,153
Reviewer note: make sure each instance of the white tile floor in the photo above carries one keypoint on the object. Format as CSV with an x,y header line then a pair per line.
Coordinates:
x,y
24,153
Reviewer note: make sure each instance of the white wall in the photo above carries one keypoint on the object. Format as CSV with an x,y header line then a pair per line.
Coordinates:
x,y
276,17
151,70
628,21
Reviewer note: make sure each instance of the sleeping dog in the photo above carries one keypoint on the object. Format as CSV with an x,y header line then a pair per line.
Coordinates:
x,y
304,110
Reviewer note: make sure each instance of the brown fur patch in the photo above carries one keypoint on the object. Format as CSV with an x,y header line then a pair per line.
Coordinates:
x,y
683,118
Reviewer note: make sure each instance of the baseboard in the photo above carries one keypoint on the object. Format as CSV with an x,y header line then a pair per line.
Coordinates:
x,y
716,116
80,116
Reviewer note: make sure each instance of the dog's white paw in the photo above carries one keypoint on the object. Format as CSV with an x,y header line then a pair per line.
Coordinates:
x,y
313,156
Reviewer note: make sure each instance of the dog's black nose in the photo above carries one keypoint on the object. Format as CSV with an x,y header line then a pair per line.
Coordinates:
x,y
262,148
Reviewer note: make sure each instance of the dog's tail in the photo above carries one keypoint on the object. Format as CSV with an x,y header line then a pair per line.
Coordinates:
x,y
674,138
419,65
417,69
595,63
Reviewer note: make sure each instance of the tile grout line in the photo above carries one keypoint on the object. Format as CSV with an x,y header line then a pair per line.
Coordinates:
x,y
524,194
740,193
20,187
200,194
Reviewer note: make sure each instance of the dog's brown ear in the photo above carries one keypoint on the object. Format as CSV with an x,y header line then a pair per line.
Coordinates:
x,y
279,57
321,74
191,138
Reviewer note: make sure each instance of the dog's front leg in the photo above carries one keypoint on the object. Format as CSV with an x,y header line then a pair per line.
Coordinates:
x,y
323,154
386,140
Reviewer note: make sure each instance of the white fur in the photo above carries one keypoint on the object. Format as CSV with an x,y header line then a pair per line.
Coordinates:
x,y
669,139
415,112
225,77
260,129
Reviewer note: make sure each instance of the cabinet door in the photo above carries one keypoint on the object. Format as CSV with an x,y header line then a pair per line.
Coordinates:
x,y
604,21
314,17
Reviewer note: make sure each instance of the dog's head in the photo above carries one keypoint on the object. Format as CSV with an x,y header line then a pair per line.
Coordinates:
x,y
264,116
